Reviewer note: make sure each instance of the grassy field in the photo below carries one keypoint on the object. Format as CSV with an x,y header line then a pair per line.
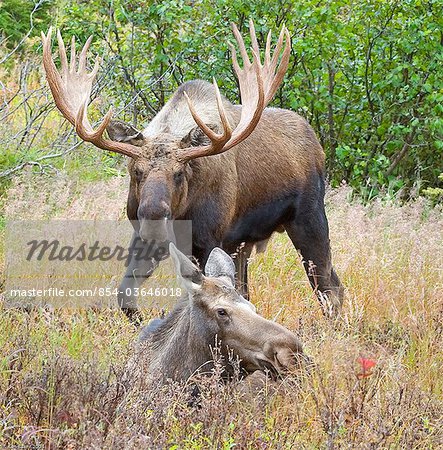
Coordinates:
x,y
61,371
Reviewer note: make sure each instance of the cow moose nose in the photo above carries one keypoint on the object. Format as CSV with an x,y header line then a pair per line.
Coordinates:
x,y
285,352
287,359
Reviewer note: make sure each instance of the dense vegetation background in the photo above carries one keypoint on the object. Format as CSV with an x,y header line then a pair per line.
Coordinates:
x,y
366,74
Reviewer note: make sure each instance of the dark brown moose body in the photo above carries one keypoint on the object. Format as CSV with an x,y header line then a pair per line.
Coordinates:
x,y
238,172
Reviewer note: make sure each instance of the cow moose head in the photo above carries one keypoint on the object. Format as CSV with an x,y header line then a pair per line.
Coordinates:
x,y
213,311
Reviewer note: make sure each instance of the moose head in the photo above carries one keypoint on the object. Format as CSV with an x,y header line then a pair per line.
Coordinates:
x,y
210,311
162,159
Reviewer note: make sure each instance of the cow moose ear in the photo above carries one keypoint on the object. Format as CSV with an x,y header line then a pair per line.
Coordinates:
x,y
120,131
196,137
188,274
220,264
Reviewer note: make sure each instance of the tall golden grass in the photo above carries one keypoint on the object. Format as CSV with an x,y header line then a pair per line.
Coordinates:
x,y
61,371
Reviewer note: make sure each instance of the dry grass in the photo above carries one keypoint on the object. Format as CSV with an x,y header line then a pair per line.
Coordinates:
x,y
61,379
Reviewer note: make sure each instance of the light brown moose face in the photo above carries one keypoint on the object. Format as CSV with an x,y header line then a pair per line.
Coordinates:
x,y
158,189
259,343
218,310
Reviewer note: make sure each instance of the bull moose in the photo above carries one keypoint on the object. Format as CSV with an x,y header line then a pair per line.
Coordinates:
x,y
238,172
211,312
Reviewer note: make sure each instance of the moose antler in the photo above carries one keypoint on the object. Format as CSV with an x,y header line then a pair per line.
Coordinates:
x,y
258,85
71,90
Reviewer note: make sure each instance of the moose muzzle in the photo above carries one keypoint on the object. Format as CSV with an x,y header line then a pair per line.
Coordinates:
x,y
155,230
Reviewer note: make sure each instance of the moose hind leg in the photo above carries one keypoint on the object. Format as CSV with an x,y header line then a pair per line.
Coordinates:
x,y
309,232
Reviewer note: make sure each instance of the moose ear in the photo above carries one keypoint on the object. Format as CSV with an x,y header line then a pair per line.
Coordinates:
x,y
123,132
196,137
188,274
220,264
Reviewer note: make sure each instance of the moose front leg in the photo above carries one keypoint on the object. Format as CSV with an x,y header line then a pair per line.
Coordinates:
x,y
139,270
241,261
309,233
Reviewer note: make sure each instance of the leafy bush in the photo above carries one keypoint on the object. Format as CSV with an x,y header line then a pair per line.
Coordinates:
x,y
365,74
18,17
435,193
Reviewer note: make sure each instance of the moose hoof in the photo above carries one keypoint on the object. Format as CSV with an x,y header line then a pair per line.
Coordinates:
x,y
330,305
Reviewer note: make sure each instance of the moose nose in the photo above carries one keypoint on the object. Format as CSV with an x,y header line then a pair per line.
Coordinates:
x,y
159,211
285,352
155,230
287,359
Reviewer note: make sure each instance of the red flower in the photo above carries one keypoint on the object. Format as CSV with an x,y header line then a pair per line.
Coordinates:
x,y
366,366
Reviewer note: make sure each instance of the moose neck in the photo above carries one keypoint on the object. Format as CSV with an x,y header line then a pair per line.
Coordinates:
x,y
182,343
213,186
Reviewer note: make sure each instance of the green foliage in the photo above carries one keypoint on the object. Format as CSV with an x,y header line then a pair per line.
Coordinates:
x,y
371,86
367,74
18,16
435,193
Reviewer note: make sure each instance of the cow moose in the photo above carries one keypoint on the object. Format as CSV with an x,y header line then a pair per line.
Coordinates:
x,y
238,172
211,312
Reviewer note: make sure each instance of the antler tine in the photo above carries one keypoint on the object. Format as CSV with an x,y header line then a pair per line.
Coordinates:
x,y
72,65
254,41
217,140
86,135
241,45
53,76
210,133
94,72
278,48
284,62
268,48
62,52
227,130
71,90
258,84
82,58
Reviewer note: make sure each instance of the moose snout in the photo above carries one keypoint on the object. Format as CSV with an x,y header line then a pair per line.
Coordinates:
x,y
151,211
287,359
153,230
284,353
153,222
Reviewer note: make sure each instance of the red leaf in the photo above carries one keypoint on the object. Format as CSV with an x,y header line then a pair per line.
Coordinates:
x,y
366,366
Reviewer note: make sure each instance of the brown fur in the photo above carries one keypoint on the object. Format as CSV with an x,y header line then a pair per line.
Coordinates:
x,y
281,151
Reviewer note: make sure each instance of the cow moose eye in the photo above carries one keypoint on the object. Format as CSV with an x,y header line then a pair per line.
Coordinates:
x,y
222,312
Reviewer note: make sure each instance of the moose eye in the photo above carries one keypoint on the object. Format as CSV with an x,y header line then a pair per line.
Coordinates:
x,y
178,176
138,174
222,312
